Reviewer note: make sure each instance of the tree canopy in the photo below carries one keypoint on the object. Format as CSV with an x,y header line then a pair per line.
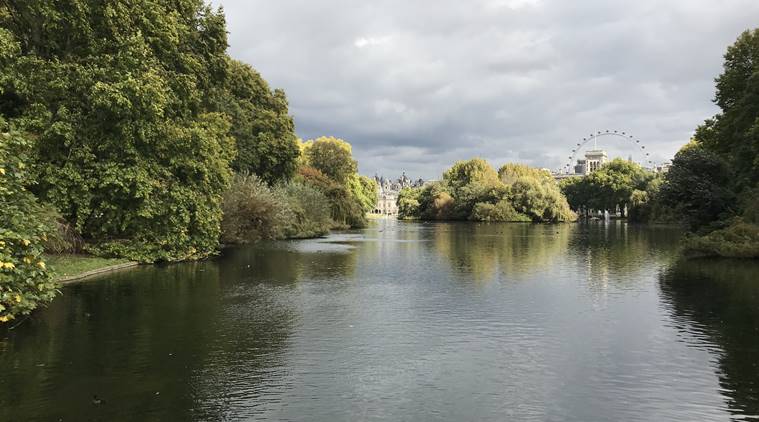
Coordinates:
x,y
473,190
264,132
331,156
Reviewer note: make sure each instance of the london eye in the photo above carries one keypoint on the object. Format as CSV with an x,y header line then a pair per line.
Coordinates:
x,y
619,135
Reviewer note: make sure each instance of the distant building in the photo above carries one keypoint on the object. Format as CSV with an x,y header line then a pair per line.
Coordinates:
x,y
387,194
594,159
662,168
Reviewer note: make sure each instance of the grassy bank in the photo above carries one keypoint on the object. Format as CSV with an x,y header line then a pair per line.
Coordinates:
x,y
66,266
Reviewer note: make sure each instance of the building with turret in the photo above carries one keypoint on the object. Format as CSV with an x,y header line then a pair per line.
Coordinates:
x,y
387,194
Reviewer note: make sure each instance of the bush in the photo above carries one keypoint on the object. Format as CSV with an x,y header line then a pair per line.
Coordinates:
x,y
502,211
738,240
345,208
253,211
309,211
25,282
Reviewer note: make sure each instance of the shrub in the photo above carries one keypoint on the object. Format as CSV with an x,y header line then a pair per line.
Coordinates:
x,y
25,282
502,211
345,208
738,240
309,210
253,211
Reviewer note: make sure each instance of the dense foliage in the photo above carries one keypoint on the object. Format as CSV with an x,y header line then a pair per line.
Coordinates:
x,y
327,164
697,186
25,281
253,211
713,184
331,156
128,145
264,132
618,185
473,190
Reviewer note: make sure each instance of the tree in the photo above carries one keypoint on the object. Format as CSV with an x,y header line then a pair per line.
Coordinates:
x,y
696,186
346,210
469,182
734,133
466,172
608,188
540,199
264,132
128,144
408,202
331,156
472,190
365,190
578,193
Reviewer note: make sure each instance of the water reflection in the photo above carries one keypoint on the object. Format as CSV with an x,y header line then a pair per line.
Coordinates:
x,y
618,253
148,343
484,251
717,301
401,321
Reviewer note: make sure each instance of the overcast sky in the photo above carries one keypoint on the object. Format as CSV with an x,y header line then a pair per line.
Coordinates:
x,y
417,85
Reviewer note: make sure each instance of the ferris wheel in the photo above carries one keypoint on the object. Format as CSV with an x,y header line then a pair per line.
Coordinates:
x,y
593,137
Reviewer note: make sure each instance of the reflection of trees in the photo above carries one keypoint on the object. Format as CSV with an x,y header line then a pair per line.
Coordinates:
x,y
133,335
483,250
721,299
199,334
614,251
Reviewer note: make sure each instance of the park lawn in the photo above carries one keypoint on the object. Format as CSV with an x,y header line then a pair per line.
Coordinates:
x,y
68,265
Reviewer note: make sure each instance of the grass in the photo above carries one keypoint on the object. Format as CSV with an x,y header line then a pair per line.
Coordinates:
x,y
66,265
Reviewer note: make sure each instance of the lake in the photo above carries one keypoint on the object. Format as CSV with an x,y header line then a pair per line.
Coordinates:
x,y
402,321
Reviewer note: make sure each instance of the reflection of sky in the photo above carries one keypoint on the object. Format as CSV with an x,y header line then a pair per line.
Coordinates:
x,y
403,321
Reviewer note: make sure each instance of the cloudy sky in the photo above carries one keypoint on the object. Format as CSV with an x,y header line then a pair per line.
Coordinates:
x,y
417,85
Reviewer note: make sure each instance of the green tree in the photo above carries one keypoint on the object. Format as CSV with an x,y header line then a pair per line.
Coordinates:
x,y
696,187
365,190
470,182
331,156
408,202
116,95
608,188
264,132
346,210
734,133
466,172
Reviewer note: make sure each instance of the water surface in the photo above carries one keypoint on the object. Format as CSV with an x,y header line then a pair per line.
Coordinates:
x,y
402,321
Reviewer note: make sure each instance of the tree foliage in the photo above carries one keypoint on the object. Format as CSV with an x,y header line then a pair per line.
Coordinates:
x,y
253,211
697,186
328,165
473,190
733,134
25,281
616,185
128,145
264,132
331,156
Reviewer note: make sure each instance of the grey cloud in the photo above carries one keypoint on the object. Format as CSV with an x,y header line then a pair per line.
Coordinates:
x,y
417,85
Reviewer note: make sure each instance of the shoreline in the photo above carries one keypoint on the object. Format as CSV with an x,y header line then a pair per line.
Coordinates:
x,y
76,278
